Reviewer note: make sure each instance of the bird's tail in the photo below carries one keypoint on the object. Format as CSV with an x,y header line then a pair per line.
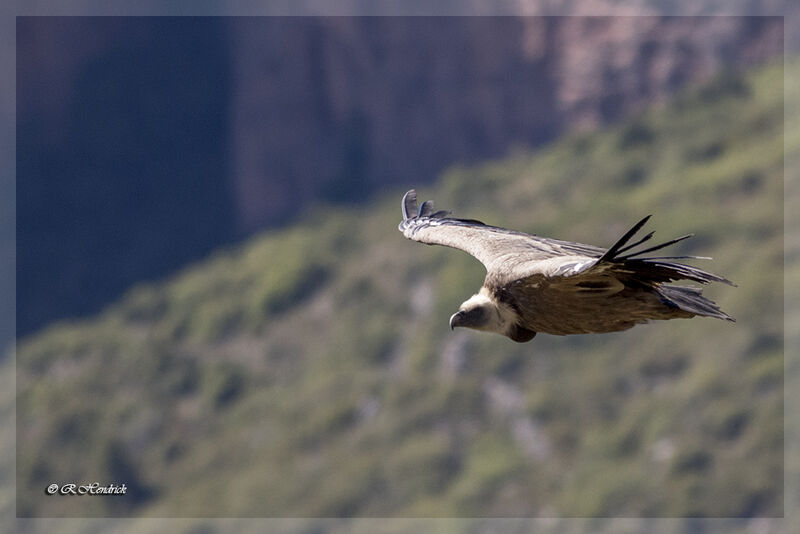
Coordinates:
x,y
690,299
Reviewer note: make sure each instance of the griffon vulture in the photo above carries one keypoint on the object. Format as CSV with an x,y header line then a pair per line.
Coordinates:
x,y
537,284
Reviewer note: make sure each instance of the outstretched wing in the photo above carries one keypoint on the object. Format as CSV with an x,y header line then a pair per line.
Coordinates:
x,y
626,265
567,288
492,246
509,255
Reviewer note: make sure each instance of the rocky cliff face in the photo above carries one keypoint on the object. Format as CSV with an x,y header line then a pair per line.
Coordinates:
x,y
340,107
121,156
144,143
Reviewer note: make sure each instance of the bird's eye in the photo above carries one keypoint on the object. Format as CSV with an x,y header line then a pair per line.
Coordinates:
x,y
477,314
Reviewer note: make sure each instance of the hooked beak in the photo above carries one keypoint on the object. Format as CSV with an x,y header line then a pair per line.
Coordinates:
x,y
457,319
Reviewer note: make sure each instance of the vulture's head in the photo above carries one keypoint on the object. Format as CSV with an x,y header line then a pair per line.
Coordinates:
x,y
483,312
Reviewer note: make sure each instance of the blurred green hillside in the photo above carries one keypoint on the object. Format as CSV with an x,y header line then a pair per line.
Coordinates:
x,y
311,372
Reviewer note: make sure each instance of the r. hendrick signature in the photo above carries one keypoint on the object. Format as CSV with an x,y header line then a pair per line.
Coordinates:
x,y
86,489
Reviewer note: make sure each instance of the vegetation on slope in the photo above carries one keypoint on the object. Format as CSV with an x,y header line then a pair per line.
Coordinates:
x,y
311,372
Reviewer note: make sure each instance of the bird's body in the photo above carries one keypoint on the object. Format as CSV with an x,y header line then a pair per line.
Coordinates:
x,y
537,284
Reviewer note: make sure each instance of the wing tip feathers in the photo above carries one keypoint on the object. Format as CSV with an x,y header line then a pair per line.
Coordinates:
x,y
409,204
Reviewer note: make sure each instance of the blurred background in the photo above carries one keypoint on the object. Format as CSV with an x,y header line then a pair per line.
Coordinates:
x,y
215,308
144,143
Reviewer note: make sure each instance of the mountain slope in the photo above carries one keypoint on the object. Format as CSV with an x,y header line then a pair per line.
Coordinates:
x,y
310,372
218,113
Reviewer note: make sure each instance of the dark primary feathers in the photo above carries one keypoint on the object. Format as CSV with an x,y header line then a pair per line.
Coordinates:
x,y
560,286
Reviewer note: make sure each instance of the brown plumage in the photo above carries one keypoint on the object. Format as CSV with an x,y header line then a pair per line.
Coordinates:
x,y
537,284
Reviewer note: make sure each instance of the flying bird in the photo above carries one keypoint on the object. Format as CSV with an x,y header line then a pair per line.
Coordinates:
x,y
537,284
